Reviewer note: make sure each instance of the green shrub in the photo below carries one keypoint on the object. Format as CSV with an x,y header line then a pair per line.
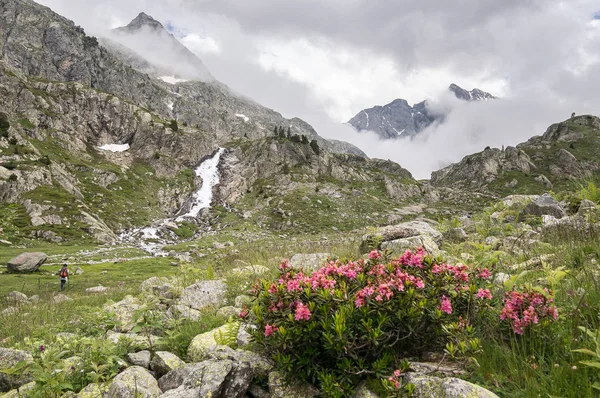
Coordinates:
x,y
173,125
358,319
13,177
4,125
9,165
186,230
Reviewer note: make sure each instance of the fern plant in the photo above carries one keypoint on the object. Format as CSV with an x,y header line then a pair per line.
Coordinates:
x,y
228,335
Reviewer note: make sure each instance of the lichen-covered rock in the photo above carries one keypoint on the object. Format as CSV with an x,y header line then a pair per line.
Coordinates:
x,y
141,358
449,387
206,380
544,205
60,298
398,246
279,388
456,235
96,289
148,284
258,364
204,294
27,262
134,382
93,390
408,233
229,311
9,358
163,362
309,262
123,311
175,378
203,344
179,311
21,392
242,300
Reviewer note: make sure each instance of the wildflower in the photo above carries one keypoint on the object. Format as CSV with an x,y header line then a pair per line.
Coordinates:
x,y
397,373
573,367
374,255
445,305
42,348
484,274
270,329
302,312
273,288
484,294
244,313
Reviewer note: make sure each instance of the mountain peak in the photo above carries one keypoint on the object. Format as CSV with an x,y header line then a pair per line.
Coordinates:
x,y
143,20
473,95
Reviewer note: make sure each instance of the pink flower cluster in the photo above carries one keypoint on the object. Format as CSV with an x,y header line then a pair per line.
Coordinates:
x,y
395,379
445,305
270,329
526,308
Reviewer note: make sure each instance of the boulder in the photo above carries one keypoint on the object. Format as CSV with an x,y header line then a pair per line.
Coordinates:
x,y
449,387
207,379
204,294
134,382
96,289
401,232
201,345
148,284
175,378
17,297
141,358
258,364
9,358
544,205
163,362
587,207
179,311
229,311
456,235
309,262
123,311
21,392
27,262
60,298
399,246
78,271
93,390
363,391
242,300
280,388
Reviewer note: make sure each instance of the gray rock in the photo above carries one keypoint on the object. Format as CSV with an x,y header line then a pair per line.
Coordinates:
x,y
258,364
400,231
9,358
449,387
456,235
175,378
163,362
542,179
309,262
21,392
207,379
27,262
96,289
93,390
17,297
399,246
201,345
363,391
60,298
204,294
229,311
34,299
179,311
150,283
78,271
544,205
141,358
587,207
242,300
123,311
250,270
134,382
279,388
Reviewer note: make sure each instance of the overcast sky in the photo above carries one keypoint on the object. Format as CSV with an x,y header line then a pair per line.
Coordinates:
x,y
325,60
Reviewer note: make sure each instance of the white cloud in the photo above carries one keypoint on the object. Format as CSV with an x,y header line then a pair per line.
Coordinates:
x,y
201,45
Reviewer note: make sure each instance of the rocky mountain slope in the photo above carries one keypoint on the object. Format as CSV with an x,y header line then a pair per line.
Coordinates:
x,y
562,158
399,119
64,97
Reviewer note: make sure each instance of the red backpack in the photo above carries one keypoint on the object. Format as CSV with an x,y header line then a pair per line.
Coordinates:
x,y
64,272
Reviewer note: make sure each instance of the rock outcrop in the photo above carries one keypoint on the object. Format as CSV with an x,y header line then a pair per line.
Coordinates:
x,y
27,262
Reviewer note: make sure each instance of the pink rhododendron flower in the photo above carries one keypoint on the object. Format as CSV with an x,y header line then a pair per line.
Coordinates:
x,y
484,273
445,305
484,294
270,329
302,312
273,288
374,255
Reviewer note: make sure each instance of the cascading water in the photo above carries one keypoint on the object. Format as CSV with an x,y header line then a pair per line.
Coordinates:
x,y
153,238
209,172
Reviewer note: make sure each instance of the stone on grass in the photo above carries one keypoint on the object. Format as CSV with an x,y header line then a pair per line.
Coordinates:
x,y
149,283
163,362
21,392
60,298
17,296
123,311
179,311
206,380
27,262
201,345
309,262
400,232
141,358
8,359
78,271
134,382
96,289
544,205
204,294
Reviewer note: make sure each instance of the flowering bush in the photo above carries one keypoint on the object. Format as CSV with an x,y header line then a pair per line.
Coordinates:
x,y
353,319
528,307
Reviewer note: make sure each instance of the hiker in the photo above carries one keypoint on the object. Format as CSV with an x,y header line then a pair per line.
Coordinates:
x,y
63,274
572,115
